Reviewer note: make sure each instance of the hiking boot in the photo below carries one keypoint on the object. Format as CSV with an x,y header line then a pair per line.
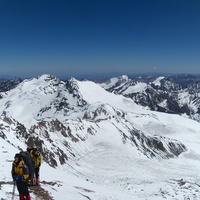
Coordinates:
x,y
37,181
21,197
28,197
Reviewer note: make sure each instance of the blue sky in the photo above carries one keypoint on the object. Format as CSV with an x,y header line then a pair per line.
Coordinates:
x,y
99,36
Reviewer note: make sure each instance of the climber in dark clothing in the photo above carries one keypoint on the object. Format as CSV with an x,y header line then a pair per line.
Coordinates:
x,y
20,174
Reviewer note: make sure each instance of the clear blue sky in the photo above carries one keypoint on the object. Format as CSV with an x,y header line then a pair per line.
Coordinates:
x,y
99,36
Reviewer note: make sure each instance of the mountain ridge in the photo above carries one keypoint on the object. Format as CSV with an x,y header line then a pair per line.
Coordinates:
x,y
177,95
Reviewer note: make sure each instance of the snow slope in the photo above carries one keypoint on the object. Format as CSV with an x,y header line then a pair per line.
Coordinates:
x,y
106,167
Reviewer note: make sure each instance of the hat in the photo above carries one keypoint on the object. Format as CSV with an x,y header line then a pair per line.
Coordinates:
x,y
35,149
17,155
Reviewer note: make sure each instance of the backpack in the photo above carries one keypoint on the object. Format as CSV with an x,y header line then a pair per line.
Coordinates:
x,y
29,162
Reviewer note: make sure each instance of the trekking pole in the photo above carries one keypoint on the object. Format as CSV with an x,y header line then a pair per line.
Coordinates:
x,y
13,193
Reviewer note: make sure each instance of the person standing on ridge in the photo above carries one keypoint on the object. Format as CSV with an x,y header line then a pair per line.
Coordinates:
x,y
20,174
37,159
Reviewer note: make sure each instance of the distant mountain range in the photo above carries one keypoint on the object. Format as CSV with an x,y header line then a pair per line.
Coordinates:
x,y
102,77
177,94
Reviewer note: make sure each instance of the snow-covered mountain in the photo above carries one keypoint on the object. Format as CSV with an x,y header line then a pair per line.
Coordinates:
x,y
171,94
97,144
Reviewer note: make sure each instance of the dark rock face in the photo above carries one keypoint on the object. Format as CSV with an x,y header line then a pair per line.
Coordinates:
x,y
156,146
6,85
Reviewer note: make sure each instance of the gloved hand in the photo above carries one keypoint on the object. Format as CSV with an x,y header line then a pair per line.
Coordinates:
x,y
14,176
17,178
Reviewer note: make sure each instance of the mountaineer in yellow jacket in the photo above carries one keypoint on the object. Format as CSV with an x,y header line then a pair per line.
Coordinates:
x,y
20,174
37,160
